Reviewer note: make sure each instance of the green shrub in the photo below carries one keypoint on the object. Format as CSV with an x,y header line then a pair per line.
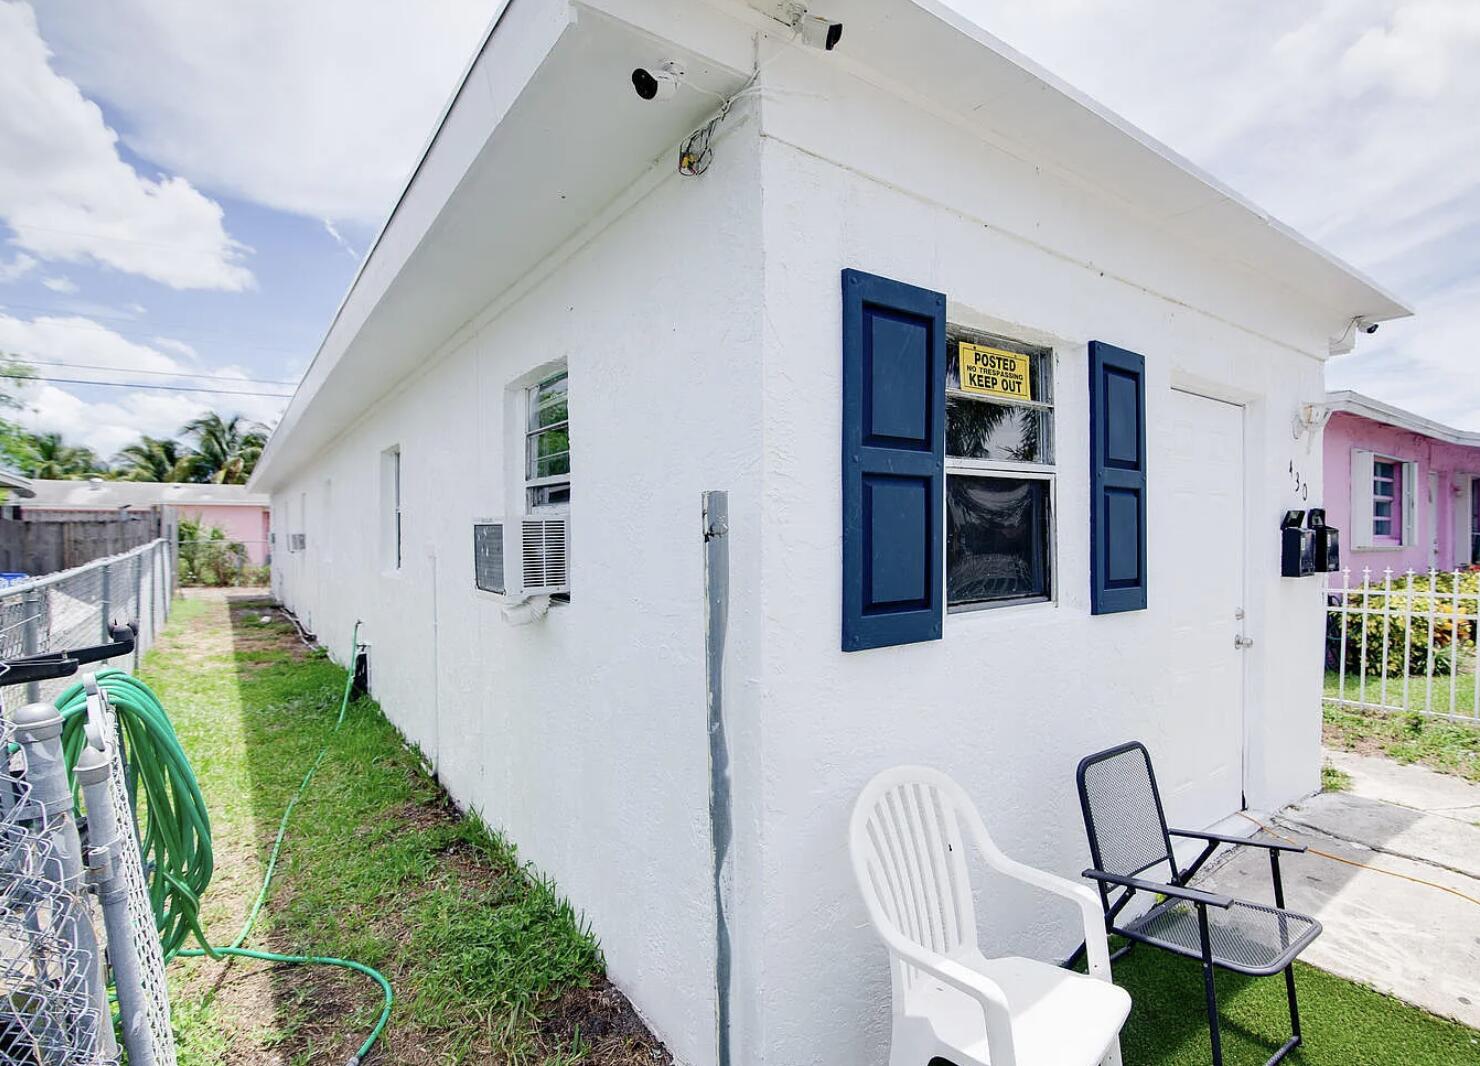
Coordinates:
x,y
208,558
1400,638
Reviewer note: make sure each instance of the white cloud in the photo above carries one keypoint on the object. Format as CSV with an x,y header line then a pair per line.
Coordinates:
x,y
107,423
1352,120
69,196
319,109
63,285
18,267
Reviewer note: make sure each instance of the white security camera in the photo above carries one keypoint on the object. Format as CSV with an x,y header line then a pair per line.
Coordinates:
x,y
659,84
1367,326
818,32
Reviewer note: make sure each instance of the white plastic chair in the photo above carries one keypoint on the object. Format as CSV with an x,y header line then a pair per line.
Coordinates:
x,y
951,1002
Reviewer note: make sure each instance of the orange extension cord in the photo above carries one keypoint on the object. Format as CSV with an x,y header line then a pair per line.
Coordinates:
x,y
1361,865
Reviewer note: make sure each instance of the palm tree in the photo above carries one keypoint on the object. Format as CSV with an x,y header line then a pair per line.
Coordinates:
x,y
53,459
226,449
153,459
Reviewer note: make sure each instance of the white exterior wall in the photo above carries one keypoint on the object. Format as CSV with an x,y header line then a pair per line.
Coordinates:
x,y
1010,699
583,736
701,321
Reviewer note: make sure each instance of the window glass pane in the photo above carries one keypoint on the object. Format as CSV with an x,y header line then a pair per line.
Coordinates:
x,y
1383,469
976,430
550,495
997,533
549,453
1383,509
548,401
551,466
1040,374
1382,527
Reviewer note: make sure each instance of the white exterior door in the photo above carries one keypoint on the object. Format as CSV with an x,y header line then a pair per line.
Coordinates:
x,y
1198,584
1433,520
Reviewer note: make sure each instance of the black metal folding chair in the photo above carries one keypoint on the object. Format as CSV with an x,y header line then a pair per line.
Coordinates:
x,y
1128,836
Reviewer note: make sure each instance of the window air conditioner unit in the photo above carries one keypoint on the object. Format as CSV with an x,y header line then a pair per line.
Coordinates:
x,y
522,558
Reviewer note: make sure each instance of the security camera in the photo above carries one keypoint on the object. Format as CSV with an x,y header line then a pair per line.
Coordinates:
x,y
818,32
659,84
1366,326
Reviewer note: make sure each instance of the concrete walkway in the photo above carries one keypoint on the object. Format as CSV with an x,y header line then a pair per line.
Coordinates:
x,y
1417,942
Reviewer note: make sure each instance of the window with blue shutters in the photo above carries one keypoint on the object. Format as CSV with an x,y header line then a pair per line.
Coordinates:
x,y
894,348
1117,396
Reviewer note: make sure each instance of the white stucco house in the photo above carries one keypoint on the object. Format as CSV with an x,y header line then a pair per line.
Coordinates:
x,y
1001,394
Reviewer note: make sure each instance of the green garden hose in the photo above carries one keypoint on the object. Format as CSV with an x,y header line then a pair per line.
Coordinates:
x,y
176,844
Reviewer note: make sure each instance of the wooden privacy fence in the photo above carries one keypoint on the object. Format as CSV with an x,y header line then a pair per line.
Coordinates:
x,y
1404,643
48,541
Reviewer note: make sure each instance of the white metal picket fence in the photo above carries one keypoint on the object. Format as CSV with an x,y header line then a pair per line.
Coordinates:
x,y
73,608
1405,643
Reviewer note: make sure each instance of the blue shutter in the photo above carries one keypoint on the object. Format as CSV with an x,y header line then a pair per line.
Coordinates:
x,y
894,399
1117,404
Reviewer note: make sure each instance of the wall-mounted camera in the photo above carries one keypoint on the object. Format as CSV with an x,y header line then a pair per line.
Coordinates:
x,y
819,32
660,83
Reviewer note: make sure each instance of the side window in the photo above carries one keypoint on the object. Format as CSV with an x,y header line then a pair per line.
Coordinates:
x,y
1000,470
390,509
547,445
1387,501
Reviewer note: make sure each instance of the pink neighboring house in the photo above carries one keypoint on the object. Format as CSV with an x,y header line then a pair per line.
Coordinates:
x,y
1404,491
243,516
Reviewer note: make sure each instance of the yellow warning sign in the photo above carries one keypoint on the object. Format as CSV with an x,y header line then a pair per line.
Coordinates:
x,y
994,372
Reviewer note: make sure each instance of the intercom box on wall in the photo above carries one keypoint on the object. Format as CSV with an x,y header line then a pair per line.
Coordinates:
x,y
1297,546
1328,542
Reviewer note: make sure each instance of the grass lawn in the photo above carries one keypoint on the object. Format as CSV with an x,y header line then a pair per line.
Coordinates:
x,y
1452,747
1343,1024
489,964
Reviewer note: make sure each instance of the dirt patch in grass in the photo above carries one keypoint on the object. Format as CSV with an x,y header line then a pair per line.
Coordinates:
x,y
1408,737
601,1018
489,963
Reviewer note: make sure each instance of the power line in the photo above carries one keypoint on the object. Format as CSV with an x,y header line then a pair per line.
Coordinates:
x,y
143,385
153,373
169,246
157,333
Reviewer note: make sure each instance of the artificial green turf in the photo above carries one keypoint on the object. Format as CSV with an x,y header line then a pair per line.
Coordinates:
x,y
1343,1024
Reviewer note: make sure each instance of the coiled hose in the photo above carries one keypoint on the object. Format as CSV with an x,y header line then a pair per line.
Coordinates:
x,y
176,841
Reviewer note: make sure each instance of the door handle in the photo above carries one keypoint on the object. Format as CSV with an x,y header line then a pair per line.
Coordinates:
x,y
1241,642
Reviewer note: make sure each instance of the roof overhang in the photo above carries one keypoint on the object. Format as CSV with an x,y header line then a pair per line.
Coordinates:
x,y
543,133
1355,403
15,483
926,48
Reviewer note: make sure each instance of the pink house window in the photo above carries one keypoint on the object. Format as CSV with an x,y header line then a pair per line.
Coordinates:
x,y
1387,501
1475,520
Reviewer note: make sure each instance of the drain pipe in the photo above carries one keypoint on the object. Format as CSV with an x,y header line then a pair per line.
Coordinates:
x,y
716,518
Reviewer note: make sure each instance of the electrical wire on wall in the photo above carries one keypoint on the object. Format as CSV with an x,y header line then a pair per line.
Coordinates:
x,y
696,153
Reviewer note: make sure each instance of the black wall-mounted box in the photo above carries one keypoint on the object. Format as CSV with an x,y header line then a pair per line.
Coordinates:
x,y
1328,542
1297,546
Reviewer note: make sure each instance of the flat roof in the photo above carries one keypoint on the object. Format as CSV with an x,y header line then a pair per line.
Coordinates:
x,y
499,185
100,495
1362,406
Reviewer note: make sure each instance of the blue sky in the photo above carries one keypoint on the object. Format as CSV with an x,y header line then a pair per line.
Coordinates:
x,y
186,188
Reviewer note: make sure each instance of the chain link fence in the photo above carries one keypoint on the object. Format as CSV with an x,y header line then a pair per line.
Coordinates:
x,y
73,608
